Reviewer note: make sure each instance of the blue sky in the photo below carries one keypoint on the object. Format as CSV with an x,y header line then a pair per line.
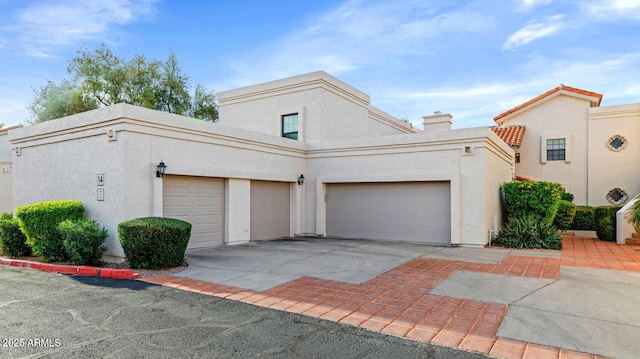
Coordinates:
x,y
473,59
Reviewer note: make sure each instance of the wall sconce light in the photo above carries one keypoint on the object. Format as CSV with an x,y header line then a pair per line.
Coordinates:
x,y
161,168
301,180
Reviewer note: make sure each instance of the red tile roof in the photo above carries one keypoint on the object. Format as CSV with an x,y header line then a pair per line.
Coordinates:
x,y
523,179
7,129
596,96
512,135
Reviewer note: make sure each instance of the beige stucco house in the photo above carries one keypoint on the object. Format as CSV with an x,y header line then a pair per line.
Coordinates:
x,y
6,178
302,156
565,136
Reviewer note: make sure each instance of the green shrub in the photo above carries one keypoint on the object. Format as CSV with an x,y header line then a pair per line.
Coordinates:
x,y
583,220
536,198
154,242
566,196
635,214
12,241
565,214
529,232
39,222
604,220
83,241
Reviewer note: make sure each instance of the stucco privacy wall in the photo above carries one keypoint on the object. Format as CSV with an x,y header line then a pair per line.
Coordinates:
x,y
327,108
6,181
613,169
76,148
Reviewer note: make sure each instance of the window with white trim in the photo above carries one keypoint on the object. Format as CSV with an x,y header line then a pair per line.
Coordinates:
x,y
556,149
290,126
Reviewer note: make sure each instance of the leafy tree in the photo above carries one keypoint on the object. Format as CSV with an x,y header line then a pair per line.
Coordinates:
x,y
101,78
204,105
54,101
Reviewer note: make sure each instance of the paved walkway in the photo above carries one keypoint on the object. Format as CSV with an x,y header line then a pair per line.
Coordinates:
x,y
513,304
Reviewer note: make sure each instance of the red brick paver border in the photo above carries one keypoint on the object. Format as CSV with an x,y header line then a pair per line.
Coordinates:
x,y
398,302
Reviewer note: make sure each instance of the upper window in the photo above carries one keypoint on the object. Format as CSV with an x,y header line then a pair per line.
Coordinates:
x,y
556,149
290,126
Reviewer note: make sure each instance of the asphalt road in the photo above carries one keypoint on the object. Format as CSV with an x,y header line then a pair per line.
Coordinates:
x,y
57,316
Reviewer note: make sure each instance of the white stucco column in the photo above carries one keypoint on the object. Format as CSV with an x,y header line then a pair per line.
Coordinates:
x,y
297,212
321,207
157,196
237,214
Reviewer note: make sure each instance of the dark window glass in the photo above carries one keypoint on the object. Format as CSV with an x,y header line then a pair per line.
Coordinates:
x,y
290,126
556,149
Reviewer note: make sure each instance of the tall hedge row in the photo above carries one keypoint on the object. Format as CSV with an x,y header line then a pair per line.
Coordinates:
x,y
604,220
39,222
565,215
540,199
583,220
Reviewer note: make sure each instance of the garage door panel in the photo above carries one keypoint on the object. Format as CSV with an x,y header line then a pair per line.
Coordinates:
x,y
199,201
270,209
406,211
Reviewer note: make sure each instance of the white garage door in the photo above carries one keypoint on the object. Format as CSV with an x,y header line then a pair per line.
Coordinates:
x,y
405,211
199,201
269,210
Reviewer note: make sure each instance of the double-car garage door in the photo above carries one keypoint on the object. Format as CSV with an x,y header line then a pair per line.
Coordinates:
x,y
394,211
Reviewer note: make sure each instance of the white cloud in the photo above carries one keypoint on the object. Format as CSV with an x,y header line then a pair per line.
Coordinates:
x,y
614,9
41,28
360,34
533,31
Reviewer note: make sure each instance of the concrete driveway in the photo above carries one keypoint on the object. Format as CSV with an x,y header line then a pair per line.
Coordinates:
x,y
502,302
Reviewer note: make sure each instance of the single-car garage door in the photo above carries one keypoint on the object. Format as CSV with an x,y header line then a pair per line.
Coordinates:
x,y
269,210
199,201
396,211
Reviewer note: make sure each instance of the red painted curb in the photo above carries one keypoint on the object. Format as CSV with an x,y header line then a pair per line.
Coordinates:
x,y
87,271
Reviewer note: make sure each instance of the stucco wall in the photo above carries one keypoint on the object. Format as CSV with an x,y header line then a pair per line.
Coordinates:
x,y
419,157
560,117
613,169
6,177
327,108
76,148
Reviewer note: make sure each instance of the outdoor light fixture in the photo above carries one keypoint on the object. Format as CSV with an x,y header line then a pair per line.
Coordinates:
x,y
160,169
301,180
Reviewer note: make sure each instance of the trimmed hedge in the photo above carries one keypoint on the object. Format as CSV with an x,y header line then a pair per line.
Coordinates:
x,y
583,220
635,214
39,222
604,220
566,196
12,241
154,242
529,232
83,241
565,214
540,199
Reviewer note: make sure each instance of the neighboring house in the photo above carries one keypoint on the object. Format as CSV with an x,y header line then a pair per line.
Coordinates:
x,y
306,155
565,136
6,178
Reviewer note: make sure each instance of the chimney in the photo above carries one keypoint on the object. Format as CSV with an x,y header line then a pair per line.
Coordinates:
x,y
437,122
